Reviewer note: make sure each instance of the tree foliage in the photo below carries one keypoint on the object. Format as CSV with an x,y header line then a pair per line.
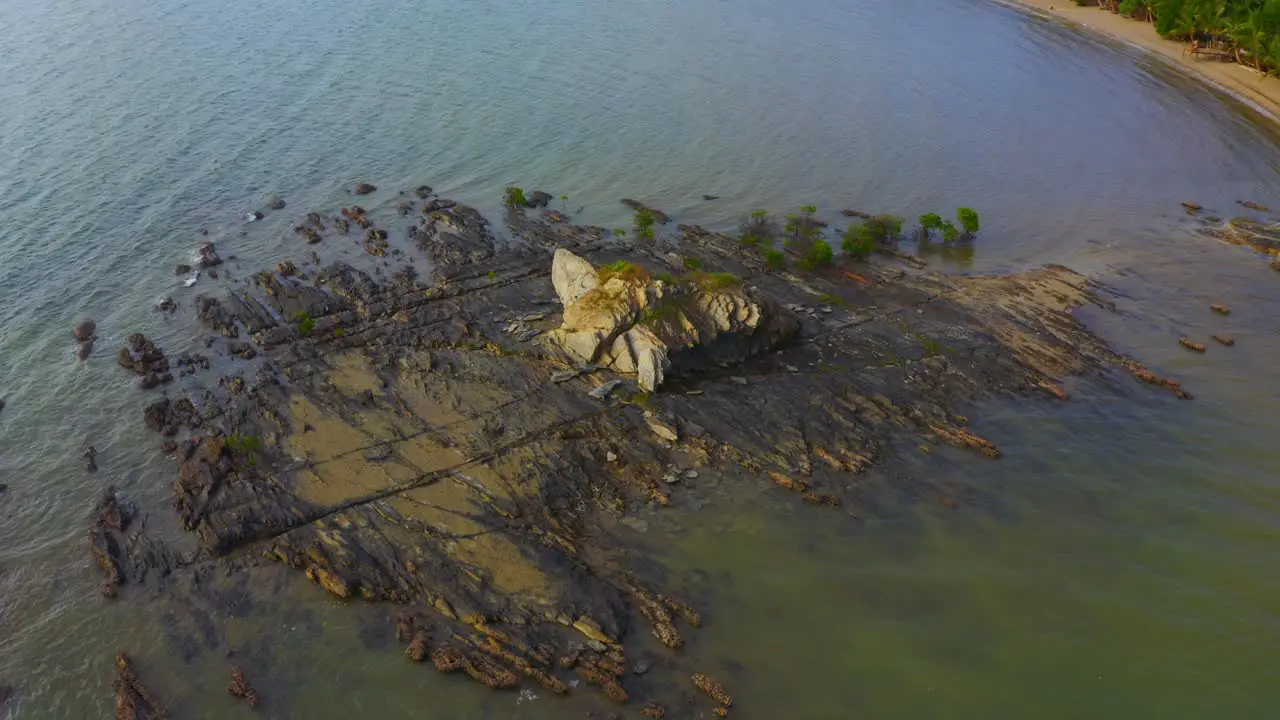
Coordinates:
x,y
1249,28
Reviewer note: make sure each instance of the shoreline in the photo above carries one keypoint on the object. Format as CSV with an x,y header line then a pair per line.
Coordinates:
x,y
1246,85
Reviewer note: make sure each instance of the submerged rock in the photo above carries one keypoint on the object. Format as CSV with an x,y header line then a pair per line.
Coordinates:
x,y
241,688
85,330
364,189
538,199
133,700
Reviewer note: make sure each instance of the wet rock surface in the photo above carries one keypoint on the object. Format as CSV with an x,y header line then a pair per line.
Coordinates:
x,y
133,700
437,448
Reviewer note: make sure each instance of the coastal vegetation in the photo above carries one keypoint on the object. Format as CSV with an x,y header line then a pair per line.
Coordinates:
x,y
644,220
1247,31
514,197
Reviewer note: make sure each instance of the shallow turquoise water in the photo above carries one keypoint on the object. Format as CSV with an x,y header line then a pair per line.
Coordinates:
x,y
1118,562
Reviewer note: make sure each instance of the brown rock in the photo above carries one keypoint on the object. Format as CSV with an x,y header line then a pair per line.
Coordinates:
x,y
133,700
1224,339
182,269
364,189
417,650
1190,344
329,580
1191,206
1255,206
715,690
1220,309
241,688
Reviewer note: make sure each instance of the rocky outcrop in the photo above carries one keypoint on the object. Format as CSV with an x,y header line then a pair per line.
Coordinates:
x,y
207,256
454,236
434,455
111,519
141,357
538,199
629,322
1263,237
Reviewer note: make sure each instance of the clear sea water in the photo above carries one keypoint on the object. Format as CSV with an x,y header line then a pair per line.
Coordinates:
x,y
1119,561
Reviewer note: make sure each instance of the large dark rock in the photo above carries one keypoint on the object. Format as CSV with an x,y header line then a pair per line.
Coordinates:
x,y
141,356
538,199
277,204
207,256
364,189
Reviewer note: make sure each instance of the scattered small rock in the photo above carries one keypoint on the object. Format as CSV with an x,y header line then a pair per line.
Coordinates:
x,y
1224,339
1192,207
1190,344
611,456
167,305
738,380
1220,309
709,198
277,204
605,390
660,428
364,189
1254,206
287,268
182,269
84,350
856,213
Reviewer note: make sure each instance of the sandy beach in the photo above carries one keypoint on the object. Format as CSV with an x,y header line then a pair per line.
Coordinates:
x,y
1243,82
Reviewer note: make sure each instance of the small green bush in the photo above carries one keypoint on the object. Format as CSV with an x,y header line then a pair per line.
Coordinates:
x,y
860,240
775,259
820,255
244,445
513,197
712,282
644,221
692,263
968,218
305,323
804,226
623,270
